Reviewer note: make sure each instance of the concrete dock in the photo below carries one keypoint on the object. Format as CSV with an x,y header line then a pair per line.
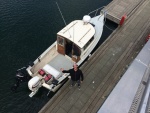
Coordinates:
x,y
105,67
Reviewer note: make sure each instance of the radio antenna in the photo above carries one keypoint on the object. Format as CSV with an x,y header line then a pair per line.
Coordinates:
x,y
61,13
63,18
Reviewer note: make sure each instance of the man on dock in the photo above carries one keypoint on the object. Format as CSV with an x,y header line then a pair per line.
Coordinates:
x,y
76,75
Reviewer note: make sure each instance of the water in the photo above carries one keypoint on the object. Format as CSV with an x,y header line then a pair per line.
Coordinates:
x,y
27,28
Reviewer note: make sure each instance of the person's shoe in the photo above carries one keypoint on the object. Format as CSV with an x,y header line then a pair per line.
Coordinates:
x,y
79,87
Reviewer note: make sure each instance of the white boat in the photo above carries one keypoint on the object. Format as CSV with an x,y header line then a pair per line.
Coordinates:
x,y
74,43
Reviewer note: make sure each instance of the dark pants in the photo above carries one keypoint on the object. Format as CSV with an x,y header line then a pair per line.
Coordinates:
x,y
74,82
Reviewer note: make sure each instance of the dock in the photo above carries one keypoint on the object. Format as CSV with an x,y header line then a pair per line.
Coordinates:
x,y
119,8
107,64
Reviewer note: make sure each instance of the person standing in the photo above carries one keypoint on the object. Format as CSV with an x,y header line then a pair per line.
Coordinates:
x,y
76,75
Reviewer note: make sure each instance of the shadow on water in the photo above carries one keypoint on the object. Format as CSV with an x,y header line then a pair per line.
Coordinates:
x,y
43,92
109,27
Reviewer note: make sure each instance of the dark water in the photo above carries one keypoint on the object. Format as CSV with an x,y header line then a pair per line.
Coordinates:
x,y
27,28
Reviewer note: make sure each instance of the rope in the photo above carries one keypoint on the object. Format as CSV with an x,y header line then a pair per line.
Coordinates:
x,y
108,28
95,10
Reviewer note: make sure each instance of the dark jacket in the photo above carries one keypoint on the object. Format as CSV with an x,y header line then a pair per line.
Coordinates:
x,y
75,75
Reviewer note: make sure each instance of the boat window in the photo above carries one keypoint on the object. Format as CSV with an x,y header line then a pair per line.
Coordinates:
x,y
76,50
88,43
60,41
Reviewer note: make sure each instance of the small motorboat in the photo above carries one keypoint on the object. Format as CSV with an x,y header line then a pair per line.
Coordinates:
x,y
74,44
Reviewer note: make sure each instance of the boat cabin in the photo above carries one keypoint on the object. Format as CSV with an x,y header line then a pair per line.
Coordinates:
x,y
74,38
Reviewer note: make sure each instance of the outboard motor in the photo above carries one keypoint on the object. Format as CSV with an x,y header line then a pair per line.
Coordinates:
x,y
34,84
21,76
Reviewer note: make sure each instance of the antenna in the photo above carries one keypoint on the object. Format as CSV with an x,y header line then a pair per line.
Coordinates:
x,y
61,13
62,17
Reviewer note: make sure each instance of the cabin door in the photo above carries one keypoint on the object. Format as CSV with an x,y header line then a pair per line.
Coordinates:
x,y
61,45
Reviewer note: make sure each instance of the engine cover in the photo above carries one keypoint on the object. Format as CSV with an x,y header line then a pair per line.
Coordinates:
x,y
34,83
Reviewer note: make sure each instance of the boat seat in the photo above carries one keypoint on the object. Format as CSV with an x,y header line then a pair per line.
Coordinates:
x,y
41,72
49,69
47,77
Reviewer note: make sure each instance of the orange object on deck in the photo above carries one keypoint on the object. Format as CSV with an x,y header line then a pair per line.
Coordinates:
x,y
123,19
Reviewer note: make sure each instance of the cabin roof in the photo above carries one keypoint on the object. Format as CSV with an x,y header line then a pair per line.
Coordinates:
x,y
77,32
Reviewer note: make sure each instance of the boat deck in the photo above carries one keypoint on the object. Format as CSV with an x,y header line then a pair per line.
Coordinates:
x,y
44,60
54,59
61,62
105,67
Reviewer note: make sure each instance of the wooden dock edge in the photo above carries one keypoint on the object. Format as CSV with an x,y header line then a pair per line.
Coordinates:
x,y
115,18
